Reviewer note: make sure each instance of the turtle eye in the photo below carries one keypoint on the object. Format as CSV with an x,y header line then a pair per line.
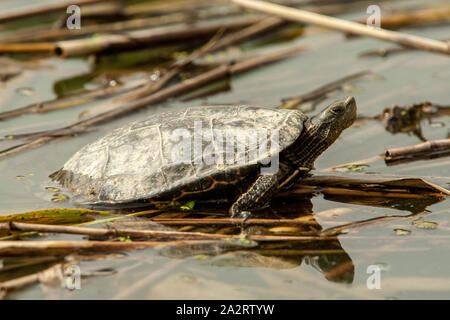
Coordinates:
x,y
337,110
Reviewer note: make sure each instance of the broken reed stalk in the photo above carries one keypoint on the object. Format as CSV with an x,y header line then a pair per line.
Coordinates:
x,y
346,26
435,146
44,9
145,38
128,41
27,47
292,102
48,34
47,228
162,95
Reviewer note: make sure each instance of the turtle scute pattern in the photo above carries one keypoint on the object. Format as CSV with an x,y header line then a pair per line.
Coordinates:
x,y
134,162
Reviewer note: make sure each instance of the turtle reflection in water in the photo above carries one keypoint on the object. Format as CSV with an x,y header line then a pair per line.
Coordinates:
x,y
133,165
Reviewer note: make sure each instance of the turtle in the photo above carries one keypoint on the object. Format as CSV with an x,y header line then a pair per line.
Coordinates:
x,y
187,155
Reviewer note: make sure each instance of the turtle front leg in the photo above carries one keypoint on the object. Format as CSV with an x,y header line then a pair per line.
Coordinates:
x,y
257,196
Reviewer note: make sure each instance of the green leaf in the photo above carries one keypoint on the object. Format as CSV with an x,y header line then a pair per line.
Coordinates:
x,y
244,241
188,206
125,239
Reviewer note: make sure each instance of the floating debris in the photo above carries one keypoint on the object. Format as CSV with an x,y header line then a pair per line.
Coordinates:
x,y
351,167
402,232
59,197
53,189
421,224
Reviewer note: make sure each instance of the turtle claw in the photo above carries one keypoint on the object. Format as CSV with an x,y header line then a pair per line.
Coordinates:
x,y
241,215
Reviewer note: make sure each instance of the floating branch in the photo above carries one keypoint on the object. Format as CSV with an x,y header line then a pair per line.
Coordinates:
x,y
419,150
346,26
96,232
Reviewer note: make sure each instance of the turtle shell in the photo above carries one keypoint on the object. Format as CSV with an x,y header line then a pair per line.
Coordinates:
x,y
142,160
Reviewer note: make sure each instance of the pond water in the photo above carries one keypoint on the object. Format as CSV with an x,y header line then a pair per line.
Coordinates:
x,y
412,266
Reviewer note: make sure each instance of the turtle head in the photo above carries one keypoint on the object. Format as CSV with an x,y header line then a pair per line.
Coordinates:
x,y
329,124
322,130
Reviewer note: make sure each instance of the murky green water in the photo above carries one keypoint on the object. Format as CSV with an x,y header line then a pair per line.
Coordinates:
x,y
413,266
